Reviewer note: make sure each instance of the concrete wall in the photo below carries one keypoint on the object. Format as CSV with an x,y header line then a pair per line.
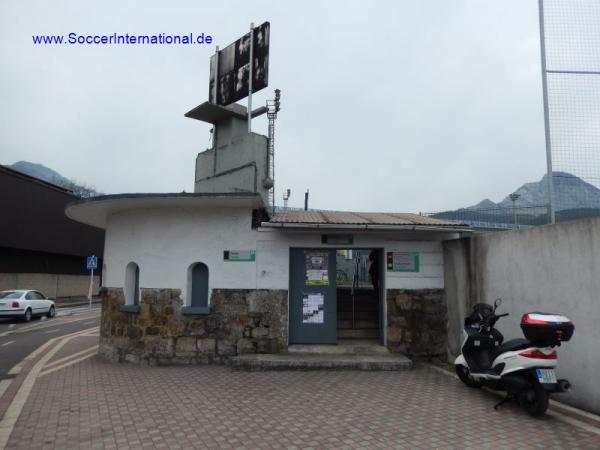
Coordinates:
x,y
553,268
51,285
238,161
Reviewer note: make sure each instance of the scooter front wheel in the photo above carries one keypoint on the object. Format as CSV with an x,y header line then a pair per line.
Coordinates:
x,y
465,376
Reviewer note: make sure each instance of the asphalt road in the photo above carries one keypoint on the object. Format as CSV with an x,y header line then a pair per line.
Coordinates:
x,y
19,339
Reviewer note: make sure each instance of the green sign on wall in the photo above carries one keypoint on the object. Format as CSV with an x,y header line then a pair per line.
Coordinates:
x,y
402,262
239,255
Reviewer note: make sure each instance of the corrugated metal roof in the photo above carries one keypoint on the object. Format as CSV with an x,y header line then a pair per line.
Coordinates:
x,y
358,218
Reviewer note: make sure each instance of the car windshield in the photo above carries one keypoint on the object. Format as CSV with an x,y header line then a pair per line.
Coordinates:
x,y
10,294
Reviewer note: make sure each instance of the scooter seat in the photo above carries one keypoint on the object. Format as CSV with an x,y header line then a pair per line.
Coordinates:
x,y
514,345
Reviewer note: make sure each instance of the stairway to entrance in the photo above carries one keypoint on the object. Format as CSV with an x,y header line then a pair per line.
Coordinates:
x,y
351,354
366,314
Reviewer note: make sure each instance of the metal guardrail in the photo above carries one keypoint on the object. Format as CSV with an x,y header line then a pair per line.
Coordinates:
x,y
507,218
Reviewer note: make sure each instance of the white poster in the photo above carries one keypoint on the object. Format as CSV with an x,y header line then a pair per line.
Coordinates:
x,y
313,308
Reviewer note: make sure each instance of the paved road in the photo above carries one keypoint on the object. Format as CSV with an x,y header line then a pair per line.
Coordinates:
x,y
19,339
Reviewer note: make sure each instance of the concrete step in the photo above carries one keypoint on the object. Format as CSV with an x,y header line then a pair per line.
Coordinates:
x,y
358,298
358,315
364,333
287,361
358,324
357,308
344,347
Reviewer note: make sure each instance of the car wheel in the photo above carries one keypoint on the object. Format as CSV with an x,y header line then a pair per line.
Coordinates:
x,y
51,312
27,316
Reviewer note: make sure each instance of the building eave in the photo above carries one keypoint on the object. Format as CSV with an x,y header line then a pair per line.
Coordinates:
x,y
97,210
364,227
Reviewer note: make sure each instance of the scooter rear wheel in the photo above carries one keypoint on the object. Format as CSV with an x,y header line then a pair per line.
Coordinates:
x,y
465,376
538,404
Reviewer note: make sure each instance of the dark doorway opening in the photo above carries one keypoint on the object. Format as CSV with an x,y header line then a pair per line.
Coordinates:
x,y
358,293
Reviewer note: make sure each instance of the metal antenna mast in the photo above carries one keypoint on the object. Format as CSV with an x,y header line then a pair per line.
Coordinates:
x,y
273,107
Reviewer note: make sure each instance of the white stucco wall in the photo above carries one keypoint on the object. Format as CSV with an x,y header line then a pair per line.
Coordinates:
x,y
165,242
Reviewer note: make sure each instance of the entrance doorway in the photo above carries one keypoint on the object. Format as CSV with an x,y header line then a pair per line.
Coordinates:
x,y
358,274
335,294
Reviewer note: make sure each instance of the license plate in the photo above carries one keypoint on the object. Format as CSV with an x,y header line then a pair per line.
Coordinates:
x,y
546,375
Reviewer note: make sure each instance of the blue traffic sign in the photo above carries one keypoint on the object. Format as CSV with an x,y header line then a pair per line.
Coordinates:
x,y
92,262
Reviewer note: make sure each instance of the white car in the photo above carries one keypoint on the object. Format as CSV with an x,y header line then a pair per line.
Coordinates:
x,y
25,304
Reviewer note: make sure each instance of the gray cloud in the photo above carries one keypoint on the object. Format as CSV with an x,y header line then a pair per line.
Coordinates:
x,y
397,105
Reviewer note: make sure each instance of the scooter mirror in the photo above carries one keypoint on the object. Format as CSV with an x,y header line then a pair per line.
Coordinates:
x,y
497,302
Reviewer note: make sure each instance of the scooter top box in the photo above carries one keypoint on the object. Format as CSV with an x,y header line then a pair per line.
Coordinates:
x,y
547,328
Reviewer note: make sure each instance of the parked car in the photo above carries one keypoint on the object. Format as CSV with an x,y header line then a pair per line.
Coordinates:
x,y
25,304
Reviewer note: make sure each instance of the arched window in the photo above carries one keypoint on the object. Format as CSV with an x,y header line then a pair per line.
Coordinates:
x,y
197,289
132,284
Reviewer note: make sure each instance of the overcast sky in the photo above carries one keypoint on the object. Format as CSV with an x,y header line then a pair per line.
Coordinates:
x,y
404,106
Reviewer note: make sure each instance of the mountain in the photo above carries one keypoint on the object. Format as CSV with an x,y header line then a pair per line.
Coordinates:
x,y
39,171
51,176
574,199
571,193
484,204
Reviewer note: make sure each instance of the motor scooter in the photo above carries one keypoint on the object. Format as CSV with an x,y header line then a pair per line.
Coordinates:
x,y
524,368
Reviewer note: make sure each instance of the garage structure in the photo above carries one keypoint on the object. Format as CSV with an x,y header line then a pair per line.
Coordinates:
x,y
40,248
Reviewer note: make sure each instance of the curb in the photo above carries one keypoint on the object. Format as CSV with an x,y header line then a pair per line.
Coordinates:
x,y
574,416
82,303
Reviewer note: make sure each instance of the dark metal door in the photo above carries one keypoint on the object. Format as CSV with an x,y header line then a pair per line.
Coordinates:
x,y
313,315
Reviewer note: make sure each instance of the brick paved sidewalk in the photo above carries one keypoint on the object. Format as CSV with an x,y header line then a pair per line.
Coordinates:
x,y
95,404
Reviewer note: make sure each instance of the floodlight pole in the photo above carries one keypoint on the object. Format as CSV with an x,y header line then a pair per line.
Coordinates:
x,y
250,77
550,175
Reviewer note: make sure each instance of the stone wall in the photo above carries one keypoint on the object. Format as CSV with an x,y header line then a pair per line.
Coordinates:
x,y
240,321
417,322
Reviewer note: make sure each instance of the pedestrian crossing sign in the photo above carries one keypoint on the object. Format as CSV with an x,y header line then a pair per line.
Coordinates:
x,y
92,262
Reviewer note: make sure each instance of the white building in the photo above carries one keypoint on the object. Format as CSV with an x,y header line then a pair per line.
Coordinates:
x,y
207,276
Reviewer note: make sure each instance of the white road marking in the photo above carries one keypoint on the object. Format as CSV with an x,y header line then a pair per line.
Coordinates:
x,y
68,357
52,331
3,386
89,323
16,369
90,352
14,410
34,354
7,343
9,420
43,325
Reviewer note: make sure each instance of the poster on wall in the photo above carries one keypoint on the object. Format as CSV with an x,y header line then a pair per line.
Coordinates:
x,y
313,308
402,261
317,272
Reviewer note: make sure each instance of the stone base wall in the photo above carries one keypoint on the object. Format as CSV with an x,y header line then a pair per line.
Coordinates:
x,y
417,322
240,321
